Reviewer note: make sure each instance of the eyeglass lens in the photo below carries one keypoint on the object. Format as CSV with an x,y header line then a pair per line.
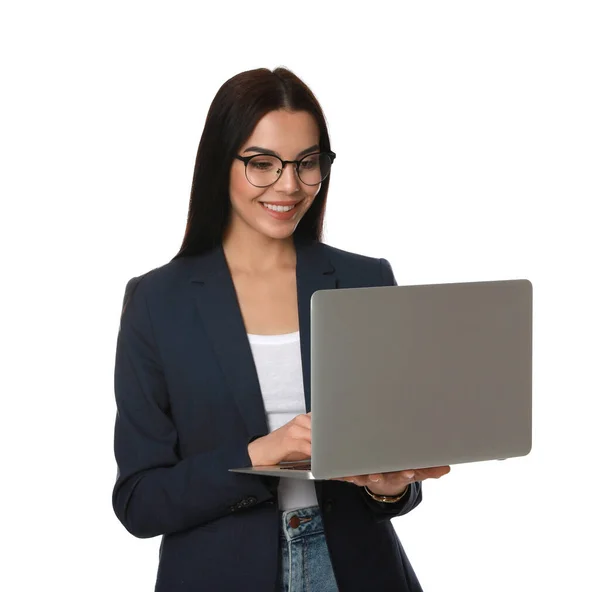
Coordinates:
x,y
263,170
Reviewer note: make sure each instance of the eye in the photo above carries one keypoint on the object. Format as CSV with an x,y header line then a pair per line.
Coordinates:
x,y
310,162
263,163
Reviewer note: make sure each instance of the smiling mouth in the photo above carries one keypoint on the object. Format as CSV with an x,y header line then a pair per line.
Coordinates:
x,y
279,208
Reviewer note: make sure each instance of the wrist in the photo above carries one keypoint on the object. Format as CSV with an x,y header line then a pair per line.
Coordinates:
x,y
387,499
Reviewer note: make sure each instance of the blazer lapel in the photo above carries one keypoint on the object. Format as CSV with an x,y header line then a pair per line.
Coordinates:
x,y
223,323
314,272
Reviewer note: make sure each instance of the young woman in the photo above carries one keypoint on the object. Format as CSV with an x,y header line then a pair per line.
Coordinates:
x,y
212,370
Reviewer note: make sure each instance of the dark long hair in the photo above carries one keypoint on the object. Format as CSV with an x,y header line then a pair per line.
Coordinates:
x,y
236,109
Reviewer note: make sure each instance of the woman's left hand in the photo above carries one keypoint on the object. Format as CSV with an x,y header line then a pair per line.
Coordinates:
x,y
395,483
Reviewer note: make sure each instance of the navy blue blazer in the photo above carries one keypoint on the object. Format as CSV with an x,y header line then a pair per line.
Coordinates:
x,y
188,404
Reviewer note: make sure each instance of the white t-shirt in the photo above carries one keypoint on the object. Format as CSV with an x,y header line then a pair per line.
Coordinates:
x,y
278,364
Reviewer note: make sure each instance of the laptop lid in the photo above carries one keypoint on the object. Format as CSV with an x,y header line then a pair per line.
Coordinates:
x,y
407,377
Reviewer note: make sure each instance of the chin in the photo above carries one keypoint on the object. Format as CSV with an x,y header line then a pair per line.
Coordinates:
x,y
280,234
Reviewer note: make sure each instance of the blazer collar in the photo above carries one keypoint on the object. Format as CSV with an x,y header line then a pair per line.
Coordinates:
x,y
221,317
311,256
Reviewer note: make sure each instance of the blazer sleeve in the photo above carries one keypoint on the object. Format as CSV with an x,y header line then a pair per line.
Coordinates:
x,y
156,491
414,495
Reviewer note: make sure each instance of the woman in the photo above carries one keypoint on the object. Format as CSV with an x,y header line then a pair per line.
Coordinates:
x,y
211,370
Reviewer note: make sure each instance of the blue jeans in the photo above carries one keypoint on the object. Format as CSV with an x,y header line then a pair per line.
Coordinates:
x,y
304,564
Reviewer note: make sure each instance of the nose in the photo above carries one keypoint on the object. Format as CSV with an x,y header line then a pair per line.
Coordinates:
x,y
288,182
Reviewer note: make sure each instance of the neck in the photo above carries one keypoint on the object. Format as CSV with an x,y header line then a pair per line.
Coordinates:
x,y
258,254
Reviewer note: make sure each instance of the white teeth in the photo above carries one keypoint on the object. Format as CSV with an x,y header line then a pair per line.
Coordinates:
x,y
278,208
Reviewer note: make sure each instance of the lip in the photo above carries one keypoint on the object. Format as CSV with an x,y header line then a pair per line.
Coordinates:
x,y
284,216
281,203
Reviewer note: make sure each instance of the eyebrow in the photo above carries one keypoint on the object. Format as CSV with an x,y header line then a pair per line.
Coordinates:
x,y
273,153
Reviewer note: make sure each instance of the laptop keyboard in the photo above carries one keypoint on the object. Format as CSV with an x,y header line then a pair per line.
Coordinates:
x,y
304,466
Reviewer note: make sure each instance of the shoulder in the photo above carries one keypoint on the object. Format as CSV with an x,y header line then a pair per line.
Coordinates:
x,y
158,280
347,262
343,257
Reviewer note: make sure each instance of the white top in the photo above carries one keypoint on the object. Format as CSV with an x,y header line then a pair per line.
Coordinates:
x,y
278,364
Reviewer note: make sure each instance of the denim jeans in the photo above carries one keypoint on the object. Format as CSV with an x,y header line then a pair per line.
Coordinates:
x,y
304,564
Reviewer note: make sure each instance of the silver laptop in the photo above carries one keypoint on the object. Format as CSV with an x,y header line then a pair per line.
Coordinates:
x,y
406,377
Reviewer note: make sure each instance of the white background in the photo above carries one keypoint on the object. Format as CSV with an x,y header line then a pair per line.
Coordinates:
x,y
467,136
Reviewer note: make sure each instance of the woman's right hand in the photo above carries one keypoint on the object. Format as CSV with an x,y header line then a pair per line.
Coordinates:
x,y
291,441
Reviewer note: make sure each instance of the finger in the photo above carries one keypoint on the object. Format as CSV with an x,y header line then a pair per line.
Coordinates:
x,y
298,450
300,421
398,479
306,448
360,480
296,439
380,479
430,473
300,432
350,479
436,472
303,420
375,478
400,476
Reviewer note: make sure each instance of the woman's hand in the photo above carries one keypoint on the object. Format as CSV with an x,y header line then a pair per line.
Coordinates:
x,y
291,441
395,483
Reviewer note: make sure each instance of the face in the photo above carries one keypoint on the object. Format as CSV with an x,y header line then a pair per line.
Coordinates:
x,y
290,135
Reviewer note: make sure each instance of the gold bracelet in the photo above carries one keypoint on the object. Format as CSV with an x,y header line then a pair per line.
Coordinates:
x,y
386,498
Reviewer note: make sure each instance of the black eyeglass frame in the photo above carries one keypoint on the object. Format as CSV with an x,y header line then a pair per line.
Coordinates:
x,y
246,160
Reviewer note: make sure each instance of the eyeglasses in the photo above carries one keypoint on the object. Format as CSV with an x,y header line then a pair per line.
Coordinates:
x,y
263,170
